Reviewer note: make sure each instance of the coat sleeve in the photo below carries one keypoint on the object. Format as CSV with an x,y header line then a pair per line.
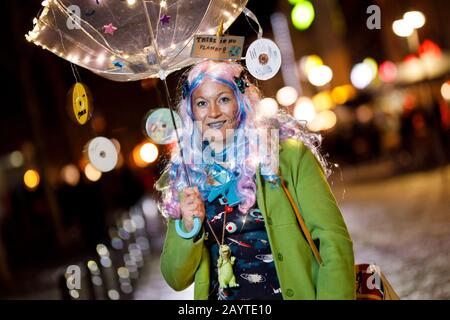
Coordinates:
x,y
336,276
180,258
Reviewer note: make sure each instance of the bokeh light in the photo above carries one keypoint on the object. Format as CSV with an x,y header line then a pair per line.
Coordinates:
x,y
445,90
93,267
31,179
304,109
341,94
402,28
102,250
361,75
123,272
302,15
16,159
113,294
372,64
320,75
323,121
287,96
414,19
148,152
267,107
144,154
309,62
70,174
364,114
322,101
74,294
116,144
91,173
387,71
149,208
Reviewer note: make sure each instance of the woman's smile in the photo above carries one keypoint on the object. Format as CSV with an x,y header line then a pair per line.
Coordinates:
x,y
217,124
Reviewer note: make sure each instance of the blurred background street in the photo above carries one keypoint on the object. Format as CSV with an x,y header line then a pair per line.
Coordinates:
x,y
373,77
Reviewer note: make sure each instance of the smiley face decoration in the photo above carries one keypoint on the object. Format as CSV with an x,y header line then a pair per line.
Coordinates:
x,y
79,103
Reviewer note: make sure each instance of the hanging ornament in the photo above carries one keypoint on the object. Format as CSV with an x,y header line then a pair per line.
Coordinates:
x,y
102,154
225,264
79,103
263,59
159,126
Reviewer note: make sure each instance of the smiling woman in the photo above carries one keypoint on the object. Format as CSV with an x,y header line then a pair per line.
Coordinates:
x,y
249,246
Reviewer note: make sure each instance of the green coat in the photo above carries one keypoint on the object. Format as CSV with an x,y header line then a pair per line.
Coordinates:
x,y
184,261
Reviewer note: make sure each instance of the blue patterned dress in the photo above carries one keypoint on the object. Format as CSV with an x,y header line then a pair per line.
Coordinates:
x,y
247,238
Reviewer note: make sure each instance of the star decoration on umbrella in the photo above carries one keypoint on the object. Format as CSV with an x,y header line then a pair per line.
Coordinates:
x,y
118,64
109,29
164,19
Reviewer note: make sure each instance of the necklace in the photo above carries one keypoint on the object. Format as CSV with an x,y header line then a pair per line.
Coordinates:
x,y
225,261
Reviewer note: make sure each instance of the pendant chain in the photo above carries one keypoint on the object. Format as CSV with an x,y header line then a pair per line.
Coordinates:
x,y
223,229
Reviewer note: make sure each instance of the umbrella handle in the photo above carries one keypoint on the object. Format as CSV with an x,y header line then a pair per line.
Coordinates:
x,y
187,235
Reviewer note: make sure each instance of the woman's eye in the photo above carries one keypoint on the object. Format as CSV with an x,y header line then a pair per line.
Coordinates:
x,y
201,104
225,100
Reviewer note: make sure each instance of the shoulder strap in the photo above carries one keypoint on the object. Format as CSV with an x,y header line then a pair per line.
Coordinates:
x,y
301,223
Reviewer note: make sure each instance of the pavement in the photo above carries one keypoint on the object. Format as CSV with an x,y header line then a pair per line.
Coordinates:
x,y
402,224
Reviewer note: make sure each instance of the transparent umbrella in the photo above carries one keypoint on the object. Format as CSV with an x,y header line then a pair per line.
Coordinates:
x,y
126,40
133,39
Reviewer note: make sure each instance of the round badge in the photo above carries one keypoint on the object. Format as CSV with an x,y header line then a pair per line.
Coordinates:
x,y
263,59
79,103
159,126
231,227
102,154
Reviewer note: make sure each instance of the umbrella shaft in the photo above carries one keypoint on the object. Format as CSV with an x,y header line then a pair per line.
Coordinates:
x,y
169,103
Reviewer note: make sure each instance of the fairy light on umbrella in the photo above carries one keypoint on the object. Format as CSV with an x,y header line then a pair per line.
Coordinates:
x,y
96,39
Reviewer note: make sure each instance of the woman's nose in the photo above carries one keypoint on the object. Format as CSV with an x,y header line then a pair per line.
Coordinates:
x,y
214,111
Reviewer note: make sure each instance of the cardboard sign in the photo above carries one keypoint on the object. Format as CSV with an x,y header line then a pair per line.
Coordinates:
x,y
214,47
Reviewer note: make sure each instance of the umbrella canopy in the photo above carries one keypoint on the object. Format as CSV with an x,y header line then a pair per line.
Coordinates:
x,y
129,40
